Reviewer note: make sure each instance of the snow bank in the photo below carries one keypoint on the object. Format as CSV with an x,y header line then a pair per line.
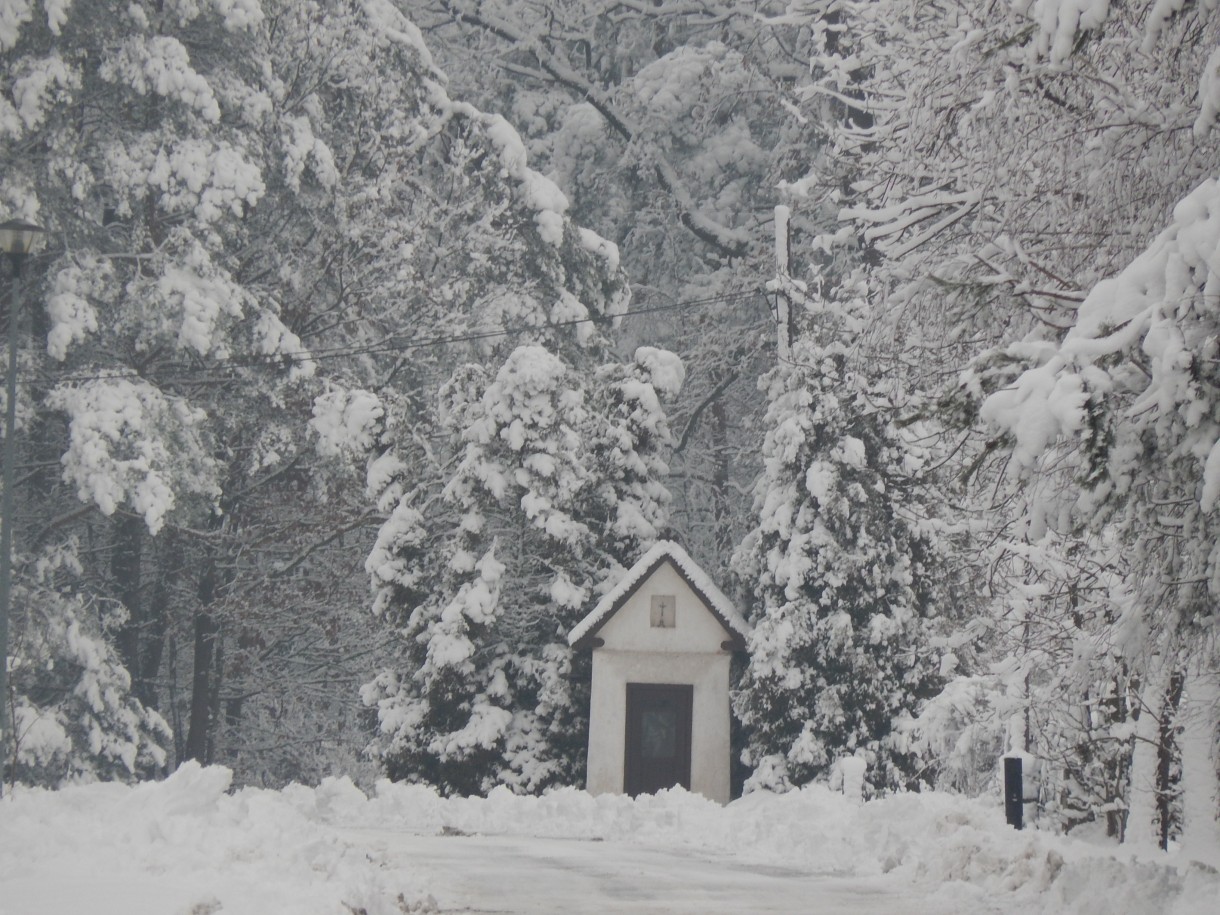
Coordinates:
x,y
186,845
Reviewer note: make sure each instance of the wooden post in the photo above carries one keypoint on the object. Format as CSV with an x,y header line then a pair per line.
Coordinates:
x,y
783,247
1014,793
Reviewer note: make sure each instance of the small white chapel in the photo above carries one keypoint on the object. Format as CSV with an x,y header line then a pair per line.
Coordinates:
x,y
662,641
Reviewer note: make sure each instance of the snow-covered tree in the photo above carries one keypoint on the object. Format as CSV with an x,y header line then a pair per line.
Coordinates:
x,y
233,187
844,575
671,127
980,202
557,490
1128,404
143,172
74,718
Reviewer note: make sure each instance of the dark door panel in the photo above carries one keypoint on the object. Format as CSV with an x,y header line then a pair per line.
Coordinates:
x,y
658,737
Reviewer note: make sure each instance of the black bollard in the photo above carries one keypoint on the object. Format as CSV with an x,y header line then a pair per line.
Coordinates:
x,y
1014,796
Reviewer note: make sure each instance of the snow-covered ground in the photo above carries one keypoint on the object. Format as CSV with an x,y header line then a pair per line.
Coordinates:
x,y
187,846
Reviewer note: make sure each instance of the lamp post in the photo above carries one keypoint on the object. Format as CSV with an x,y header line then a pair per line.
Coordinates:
x,y
17,237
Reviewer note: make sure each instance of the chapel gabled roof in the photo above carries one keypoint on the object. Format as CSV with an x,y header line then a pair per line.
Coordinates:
x,y
666,551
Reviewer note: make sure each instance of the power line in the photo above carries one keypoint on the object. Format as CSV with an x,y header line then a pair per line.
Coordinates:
x,y
399,343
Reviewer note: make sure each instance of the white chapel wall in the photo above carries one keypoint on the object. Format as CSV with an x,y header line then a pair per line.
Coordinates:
x,y
635,652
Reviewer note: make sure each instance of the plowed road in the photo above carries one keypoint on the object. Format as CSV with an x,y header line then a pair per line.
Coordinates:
x,y
501,874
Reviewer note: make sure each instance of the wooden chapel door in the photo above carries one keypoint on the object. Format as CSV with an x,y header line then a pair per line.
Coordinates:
x,y
658,746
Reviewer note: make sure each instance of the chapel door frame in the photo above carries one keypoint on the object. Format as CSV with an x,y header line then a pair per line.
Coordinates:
x,y
644,775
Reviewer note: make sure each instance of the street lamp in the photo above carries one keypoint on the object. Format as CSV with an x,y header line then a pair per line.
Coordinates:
x,y
17,237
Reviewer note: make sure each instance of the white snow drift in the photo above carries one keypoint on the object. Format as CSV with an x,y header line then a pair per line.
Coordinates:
x,y
188,845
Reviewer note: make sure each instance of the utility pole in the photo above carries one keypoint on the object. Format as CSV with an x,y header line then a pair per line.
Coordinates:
x,y
783,305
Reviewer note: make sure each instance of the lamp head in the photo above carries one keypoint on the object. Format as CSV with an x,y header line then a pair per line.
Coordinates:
x,y
17,237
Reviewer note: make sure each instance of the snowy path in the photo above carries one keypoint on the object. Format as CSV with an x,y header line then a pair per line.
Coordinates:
x,y
507,874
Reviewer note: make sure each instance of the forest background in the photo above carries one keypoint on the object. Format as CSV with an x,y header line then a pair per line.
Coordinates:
x,y
477,300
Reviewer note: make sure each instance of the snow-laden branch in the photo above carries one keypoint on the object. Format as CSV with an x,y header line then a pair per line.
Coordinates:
x,y
1159,309
706,13
892,221
729,242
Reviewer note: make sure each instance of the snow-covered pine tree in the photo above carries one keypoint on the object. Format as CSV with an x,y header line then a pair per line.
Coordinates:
x,y
557,490
75,718
230,183
624,505
842,574
144,174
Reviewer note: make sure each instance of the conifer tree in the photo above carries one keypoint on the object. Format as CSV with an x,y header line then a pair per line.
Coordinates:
x,y
557,489
841,568
233,185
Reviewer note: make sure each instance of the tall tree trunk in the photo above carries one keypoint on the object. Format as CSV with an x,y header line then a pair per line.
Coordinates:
x,y
1166,745
722,476
218,666
1140,828
204,683
125,565
1198,742
141,640
1117,768
169,559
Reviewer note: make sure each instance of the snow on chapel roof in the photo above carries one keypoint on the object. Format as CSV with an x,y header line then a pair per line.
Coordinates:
x,y
700,582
